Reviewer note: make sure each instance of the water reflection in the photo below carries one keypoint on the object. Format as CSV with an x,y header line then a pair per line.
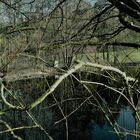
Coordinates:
x,y
88,122
89,125
126,122
83,125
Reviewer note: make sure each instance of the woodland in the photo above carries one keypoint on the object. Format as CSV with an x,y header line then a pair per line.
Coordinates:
x,y
68,67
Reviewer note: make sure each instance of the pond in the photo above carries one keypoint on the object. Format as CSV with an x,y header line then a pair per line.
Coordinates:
x,y
125,120
87,117
89,124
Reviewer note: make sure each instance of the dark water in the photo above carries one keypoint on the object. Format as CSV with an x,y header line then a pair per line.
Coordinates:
x,y
89,127
125,121
88,122
83,125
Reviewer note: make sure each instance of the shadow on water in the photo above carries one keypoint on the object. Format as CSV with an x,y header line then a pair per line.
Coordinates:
x,y
87,122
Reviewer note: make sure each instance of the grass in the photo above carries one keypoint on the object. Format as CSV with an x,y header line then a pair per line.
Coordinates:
x,y
122,56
